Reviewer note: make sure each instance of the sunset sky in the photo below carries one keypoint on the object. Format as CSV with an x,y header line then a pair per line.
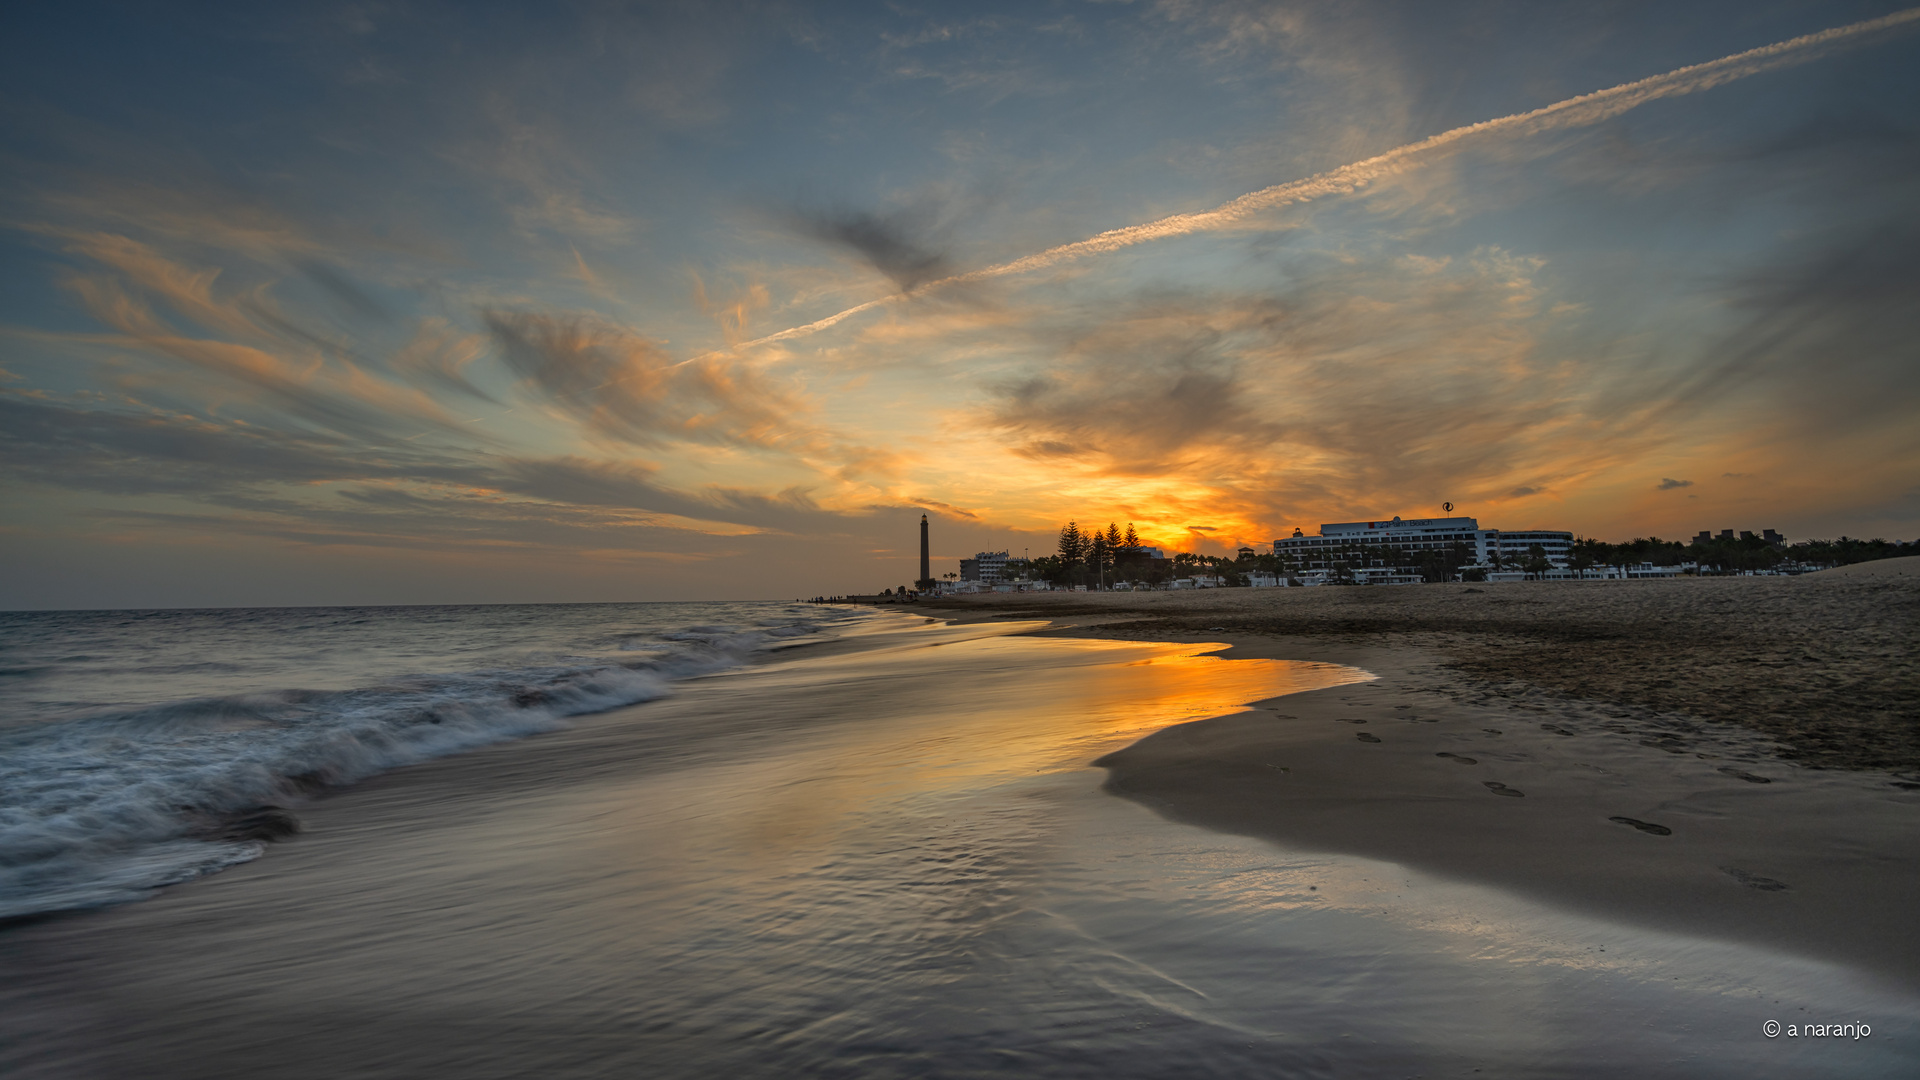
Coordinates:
x,y
418,303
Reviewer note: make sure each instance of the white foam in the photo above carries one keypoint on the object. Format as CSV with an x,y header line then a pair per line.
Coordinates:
x,y
103,809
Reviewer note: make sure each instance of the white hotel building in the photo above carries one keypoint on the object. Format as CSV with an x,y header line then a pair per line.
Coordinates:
x,y
1390,552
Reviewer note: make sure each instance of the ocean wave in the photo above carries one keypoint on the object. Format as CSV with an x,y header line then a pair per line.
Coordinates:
x,y
102,809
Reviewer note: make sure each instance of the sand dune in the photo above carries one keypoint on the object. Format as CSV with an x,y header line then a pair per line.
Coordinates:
x,y
1878,570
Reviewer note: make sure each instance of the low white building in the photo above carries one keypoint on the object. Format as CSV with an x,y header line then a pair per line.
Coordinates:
x,y
991,567
1614,573
1395,551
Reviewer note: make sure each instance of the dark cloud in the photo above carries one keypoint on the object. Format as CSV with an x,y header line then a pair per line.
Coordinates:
x,y
343,292
263,471
626,387
1838,321
1356,385
1139,394
1046,448
1821,326
582,482
946,508
1668,484
305,379
896,244
159,452
437,359
1827,338
1876,146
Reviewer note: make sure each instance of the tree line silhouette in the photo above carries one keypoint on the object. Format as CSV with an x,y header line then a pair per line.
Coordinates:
x,y
1098,557
1732,555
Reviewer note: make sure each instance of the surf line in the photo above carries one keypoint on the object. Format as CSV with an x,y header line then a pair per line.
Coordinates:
x,y
1574,112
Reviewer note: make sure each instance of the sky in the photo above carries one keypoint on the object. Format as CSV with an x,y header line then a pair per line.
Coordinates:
x,y
390,303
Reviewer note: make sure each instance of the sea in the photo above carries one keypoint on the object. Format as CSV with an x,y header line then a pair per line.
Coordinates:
x,y
745,840
138,747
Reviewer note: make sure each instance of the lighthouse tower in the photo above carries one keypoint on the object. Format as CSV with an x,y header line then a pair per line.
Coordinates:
x,y
926,563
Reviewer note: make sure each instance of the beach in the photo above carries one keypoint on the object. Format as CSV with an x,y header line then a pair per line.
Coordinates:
x,y
1822,664
1732,757
990,843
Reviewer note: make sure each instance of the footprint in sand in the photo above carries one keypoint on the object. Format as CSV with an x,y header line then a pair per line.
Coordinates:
x,y
1349,720
1754,881
1555,730
1461,758
1364,737
1491,730
1747,776
1643,826
1499,788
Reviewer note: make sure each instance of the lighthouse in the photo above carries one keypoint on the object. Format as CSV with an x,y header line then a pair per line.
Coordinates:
x,y
926,562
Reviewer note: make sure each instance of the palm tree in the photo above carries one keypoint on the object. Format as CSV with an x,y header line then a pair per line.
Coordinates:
x,y
1537,563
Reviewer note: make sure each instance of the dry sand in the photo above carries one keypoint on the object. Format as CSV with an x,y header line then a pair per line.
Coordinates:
x,y
1824,664
1731,758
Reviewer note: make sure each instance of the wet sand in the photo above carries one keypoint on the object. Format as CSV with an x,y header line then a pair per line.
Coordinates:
x,y
832,864
1705,757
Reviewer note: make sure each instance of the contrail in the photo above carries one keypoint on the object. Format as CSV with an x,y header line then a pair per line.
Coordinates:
x,y
1582,111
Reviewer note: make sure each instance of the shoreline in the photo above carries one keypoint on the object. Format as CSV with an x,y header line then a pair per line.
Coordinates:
x,y
1654,817
510,911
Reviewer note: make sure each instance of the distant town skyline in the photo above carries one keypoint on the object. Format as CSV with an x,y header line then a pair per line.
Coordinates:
x,y
506,303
